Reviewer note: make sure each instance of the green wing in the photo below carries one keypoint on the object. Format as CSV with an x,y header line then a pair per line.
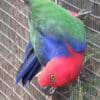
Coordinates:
x,y
53,20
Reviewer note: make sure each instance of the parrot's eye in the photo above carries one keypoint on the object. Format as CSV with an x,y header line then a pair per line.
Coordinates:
x,y
52,77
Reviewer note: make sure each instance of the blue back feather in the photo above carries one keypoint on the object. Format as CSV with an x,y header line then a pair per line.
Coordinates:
x,y
52,47
78,46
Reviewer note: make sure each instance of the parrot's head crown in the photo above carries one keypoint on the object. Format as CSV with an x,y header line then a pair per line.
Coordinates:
x,y
59,71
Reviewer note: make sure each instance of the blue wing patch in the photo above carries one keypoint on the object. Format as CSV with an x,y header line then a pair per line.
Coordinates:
x,y
76,45
52,47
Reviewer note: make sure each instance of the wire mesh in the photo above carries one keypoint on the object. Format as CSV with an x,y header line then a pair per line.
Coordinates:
x,y
13,39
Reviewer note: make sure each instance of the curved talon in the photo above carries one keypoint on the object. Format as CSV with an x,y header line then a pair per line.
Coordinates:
x,y
48,90
52,90
83,12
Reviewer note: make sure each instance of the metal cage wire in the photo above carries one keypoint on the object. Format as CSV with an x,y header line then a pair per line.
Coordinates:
x,y
13,39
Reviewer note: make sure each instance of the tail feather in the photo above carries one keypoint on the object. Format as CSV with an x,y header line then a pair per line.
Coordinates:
x,y
35,72
30,74
30,65
26,66
29,50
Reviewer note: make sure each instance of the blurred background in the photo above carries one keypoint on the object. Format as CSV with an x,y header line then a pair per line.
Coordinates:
x,y
14,37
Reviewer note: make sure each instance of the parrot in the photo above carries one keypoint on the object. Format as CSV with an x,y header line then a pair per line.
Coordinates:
x,y
57,45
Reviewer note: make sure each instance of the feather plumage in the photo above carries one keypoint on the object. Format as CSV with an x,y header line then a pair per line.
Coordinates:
x,y
51,28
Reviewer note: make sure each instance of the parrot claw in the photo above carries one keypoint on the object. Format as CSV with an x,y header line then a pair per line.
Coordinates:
x,y
52,90
83,14
48,90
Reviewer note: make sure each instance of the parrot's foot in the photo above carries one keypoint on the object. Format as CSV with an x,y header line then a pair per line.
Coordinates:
x,y
82,14
48,90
